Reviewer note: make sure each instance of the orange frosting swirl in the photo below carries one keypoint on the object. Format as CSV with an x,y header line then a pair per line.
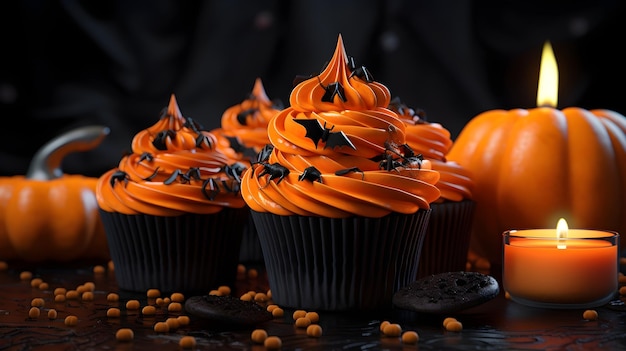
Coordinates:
x,y
433,142
243,131
173,169
337,151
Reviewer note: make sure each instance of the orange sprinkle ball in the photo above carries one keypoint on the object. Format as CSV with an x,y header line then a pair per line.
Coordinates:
x,y
590,315
621,278
271,307
454,326
278,312
124,334
258,336
260,297
4,266
35,282
410,337
314,330
161,327
215,292
177,297
148,311
81,289
71,321
160,301
72,295
52,314
26,275
253,273
113,297
297,314
187,342
392,329
183,320
59,298
90,286
448,320
44,286
224,289
622,290
153,293
273,343
37,302
313,316
173,323
98,269
34,312
132,305
269,293
383,324
59,291
175,307
302,322
111,265
113,312
241,269
87,296
246,297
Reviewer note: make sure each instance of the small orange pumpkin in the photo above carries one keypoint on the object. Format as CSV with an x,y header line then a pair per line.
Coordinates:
x,y
49,215
532,167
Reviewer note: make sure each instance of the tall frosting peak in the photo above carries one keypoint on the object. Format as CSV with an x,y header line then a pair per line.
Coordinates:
x,y
258,91
342,85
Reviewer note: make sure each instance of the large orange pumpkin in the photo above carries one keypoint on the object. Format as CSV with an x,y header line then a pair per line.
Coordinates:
x,y
532,167
48,215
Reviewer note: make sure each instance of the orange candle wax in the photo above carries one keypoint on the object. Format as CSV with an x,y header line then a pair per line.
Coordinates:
x,y
545,270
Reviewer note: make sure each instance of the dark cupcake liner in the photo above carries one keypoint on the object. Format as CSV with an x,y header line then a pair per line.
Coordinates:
x,y
333,264
447,238
191,253
251,251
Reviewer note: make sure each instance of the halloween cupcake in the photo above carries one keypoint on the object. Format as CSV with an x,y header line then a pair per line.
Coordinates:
x,y
340,206
242,135
448,235
172,210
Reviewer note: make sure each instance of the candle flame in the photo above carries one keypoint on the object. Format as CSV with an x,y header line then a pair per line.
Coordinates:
x,y
561,234
548,89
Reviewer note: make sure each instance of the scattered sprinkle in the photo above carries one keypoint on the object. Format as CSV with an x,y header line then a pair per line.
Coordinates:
x,y
71,321
258,336
37,302
273,343
124,334
132,305
153,293
113,312
590,315
392,329
187,342
52,314
314,330
34,312
410,337
302,322
161,327
26,275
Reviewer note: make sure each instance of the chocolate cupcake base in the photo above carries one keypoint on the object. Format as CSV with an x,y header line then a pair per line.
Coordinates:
x,y
189,253
339,264
447,238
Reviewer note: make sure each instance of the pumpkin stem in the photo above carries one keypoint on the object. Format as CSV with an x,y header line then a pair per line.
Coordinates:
x,y
46,164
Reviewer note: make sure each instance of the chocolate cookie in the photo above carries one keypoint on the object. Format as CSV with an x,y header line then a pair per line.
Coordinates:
x,y
447,292
227,310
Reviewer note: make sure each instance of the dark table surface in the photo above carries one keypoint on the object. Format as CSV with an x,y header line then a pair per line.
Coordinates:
x,y
499,324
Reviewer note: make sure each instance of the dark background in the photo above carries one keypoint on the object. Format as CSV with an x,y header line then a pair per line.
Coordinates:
x,y
67,63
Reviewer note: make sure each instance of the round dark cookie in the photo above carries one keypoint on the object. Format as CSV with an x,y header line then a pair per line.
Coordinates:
x,y
227,310
447,292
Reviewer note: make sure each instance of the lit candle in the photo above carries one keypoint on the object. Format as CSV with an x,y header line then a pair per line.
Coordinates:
x,y
532,166
562,268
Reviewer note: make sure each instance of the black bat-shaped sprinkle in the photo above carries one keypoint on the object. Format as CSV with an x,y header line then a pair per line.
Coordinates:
x,y
160,140
243,115
333,89
240,148
316,132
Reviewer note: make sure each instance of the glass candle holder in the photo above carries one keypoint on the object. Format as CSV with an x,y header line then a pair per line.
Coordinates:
x,y
541,269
